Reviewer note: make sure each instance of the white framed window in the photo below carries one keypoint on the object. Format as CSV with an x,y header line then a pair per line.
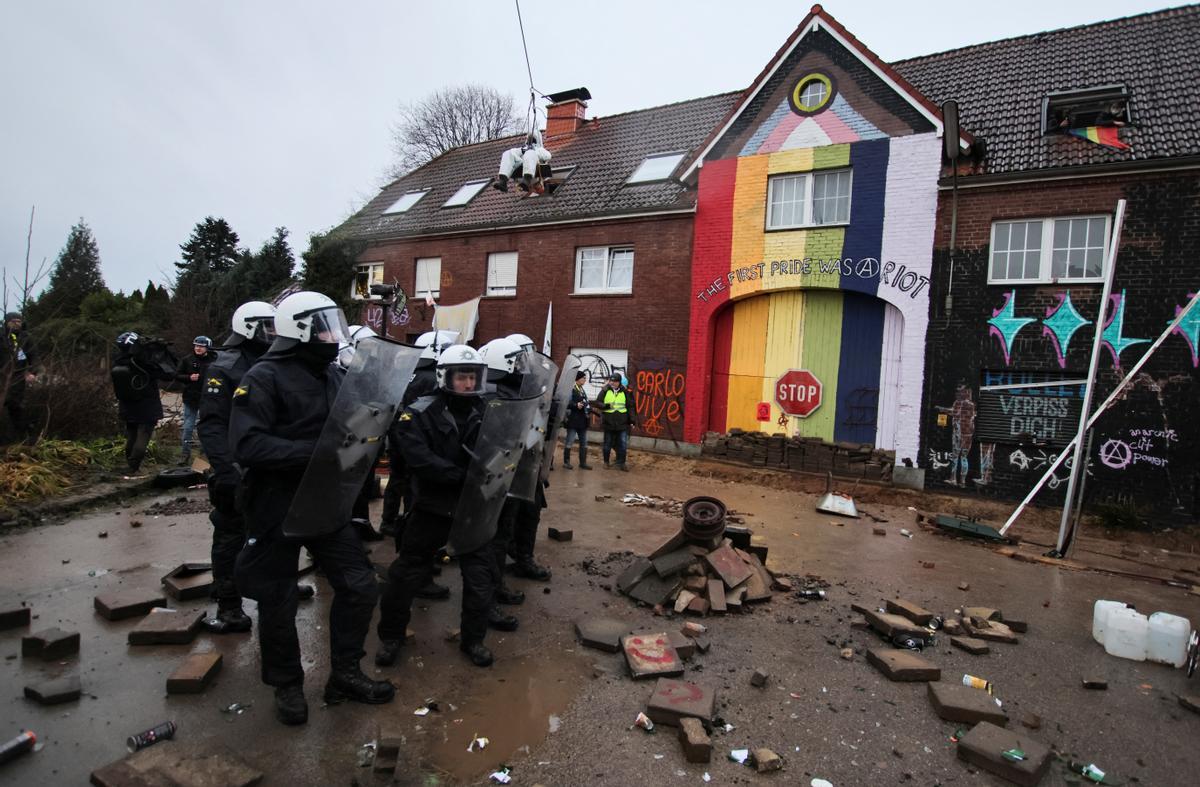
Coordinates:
x,y
465,194
502,273
604,269
364,276
809,199
657,166
406,201
1059,249
429,278
599,363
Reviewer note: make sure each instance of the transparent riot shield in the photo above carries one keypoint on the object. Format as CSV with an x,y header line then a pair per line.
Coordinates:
x,y
537,380
497,452
558,409
349,444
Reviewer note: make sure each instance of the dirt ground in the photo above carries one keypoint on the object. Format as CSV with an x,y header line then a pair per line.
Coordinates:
x,y
559,714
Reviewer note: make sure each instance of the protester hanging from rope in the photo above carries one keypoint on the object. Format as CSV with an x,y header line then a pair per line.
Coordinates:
x,y
527,159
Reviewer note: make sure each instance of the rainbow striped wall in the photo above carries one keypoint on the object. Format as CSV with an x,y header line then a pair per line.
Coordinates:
x,y
857,318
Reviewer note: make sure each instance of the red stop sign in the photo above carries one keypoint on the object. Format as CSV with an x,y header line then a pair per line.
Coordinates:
x,y
798,392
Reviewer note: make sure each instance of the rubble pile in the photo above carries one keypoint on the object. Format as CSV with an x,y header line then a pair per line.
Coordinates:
x,y
809,454
669,506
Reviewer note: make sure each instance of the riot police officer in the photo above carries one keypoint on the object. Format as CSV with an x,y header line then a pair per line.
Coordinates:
x,y
279,410
436,434
525,516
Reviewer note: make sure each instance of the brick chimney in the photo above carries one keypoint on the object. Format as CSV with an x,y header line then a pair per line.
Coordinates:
x,y
565,114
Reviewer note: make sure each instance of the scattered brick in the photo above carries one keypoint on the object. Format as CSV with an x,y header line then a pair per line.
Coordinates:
x,y
758,547
759,678
702,644
53,692
927,564
976,647
672,563
189,581
879,531
683,599
733,599
166,627
654,590
697,606
1095,683
670,545
782,584
913,612
685,647
716,597
14,618
987,613
1031,721
697,746
902,665
121,604
982,747
758,586
964,586
766,760
673,700
1189,701
385,763
848,654
697,584
387,742
890,625
1019,626
50,644
694,630
638,570
952,626
557,535
651,655
994,632
732,570
601,633
959,703
194,674
164,764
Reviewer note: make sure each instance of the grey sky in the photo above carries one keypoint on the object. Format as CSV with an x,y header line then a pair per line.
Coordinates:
x,y
144,117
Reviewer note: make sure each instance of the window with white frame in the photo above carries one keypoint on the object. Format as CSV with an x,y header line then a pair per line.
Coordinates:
x,y
502,273
406,201
604,269
808,199
1069,248
429,278
657,166
465,194
364,276
599,363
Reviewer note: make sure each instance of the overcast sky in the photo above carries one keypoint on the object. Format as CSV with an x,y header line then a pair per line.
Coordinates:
x,y
143,117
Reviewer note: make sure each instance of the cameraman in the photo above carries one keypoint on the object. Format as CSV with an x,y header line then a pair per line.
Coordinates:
x,y
135,376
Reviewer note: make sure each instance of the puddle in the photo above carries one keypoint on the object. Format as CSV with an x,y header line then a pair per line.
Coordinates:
x,y
515,705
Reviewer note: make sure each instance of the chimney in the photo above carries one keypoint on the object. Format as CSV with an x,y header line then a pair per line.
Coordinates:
x,y
565,114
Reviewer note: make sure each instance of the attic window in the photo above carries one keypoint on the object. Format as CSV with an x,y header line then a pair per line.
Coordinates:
x,y
811,94
1108,105
406,202
465,194
657,166
558,175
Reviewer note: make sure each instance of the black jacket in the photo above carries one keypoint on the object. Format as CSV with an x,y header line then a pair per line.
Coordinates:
x,y
135,382
17,348
579,418
193,364
614,421
432,439
220,380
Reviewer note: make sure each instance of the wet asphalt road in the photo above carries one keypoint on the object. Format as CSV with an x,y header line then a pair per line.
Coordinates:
x,y
829,718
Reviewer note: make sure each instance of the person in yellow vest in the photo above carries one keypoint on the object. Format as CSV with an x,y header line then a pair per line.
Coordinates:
x,y
616,406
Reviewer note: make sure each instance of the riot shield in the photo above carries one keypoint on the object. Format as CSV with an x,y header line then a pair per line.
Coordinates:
x,y
496,454
537,379
349,443
562,397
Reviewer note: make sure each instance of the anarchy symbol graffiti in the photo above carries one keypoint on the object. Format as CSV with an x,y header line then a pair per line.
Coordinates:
x,y
1116,454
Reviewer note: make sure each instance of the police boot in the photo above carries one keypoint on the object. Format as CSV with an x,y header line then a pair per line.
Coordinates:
x,y
305,592
387,528
364,530
388,652
349,683
501,622
527,568
432,590
506,595
478,653
290,706
230,619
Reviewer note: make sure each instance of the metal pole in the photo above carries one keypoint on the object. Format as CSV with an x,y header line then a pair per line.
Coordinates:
x,y
1074,534
1137,367
1110,271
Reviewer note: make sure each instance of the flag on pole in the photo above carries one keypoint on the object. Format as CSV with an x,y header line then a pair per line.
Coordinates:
x,y
1101,135
546,340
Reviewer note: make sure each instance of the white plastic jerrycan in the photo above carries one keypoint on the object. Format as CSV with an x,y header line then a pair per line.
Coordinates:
x,y
1125,634
1167,639
1100,617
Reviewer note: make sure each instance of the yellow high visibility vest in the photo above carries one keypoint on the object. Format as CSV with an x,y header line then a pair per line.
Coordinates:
x,y
614,401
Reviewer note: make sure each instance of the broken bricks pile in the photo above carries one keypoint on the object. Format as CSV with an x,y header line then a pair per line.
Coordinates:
x,y
808,454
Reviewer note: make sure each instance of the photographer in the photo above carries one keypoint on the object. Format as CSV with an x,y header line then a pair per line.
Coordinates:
x,y
138,365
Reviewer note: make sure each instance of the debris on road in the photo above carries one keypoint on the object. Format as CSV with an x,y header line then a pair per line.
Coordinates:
x,y
478,743
651,655
697,746
644,722
189,581
121,604
14,617
903,665
160,732
50,644
759,678
964,704
194,675
674,700
166,627
1095,683
740,756
984,745
54,692
19,745
601,633
766,760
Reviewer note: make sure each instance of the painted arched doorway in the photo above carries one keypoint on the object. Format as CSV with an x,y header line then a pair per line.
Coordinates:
x,y
849,340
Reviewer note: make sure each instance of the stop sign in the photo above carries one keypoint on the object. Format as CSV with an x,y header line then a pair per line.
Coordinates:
x,y
798,392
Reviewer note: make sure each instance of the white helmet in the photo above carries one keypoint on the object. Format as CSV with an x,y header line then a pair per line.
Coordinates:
x,y
311,317
254,320
434,342
346,349
502,356
461,371
522,340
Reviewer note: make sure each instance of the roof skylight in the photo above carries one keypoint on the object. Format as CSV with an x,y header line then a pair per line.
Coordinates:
x,y
657,166
406,201
465,194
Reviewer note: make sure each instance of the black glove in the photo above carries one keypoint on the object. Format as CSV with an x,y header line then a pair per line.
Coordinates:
x,y
455,475
222,493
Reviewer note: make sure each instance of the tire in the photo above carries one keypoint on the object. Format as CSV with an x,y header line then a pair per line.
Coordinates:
x,y
174,477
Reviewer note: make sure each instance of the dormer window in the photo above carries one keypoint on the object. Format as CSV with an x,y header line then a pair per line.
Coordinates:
x,y
1106,106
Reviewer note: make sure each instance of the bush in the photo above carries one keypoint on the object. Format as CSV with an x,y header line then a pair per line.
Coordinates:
x,y
1120,516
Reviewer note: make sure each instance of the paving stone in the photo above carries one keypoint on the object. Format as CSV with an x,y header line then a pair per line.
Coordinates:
x,y
1032,721
1095,683
1189,701
726,564
387,742
194,674
634,573
385,763
759,678
122,774
651,655
702,644
902,665
166,627
993,632
14,617
52,692
673,543
673,700
683,599
952,626
121,604
557,534
766,760
654,590
758,586
189,581
164,765
914,612
758,547
696,584
982,747
733,599
976,647
879,531
781,583
1019,626
959,703
697,606
987,613
890,625
50,644
684,646
697,746
716,597
860,609
601,633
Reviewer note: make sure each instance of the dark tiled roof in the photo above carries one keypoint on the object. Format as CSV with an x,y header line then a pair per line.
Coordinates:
x,y
604,152
1000,85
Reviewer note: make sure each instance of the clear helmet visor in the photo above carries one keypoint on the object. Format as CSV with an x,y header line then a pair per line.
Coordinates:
x,y
467,379
329,326
264,330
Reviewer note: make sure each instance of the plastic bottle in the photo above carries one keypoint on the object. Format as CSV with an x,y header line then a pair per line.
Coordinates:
x,y
1167,640
13,749
1100,617
1125,634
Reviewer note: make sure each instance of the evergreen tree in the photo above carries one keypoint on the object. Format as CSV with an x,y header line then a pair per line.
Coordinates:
x,y
76,274
329,266
156,308
212,248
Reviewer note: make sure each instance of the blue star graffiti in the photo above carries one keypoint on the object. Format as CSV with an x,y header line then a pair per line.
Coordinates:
x,y
1189,329
1060,325
1005,326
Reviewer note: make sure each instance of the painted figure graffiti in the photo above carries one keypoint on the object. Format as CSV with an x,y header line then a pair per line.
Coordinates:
x,y
987,459
962,425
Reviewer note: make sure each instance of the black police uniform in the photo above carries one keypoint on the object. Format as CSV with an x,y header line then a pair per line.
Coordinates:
x,y
433,433
278,412
399,490
136,375
16,349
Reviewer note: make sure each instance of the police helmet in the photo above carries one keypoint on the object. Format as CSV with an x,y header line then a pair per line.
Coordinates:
x,y
311,317
461,371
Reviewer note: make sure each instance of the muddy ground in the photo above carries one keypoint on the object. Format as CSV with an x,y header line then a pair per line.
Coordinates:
x,y
559,714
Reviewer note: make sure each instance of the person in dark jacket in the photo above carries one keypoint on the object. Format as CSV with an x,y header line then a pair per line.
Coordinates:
x,y
191,375
138,368
279,410
579,417
437,433
19,361
616,406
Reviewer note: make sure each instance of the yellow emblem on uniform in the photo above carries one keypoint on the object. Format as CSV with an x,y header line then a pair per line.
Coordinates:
x,y
241,390
216,382
405,417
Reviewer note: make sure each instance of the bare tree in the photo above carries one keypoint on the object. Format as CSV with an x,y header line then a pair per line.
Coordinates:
x,y
448,118
25,288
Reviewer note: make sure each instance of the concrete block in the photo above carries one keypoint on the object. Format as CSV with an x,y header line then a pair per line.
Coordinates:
x,y
684,646
759,678
716,597
758,586
766,760
903,665
121,604
654,590
697,746
697,606
52,692
634,573
683,599
50,644
165,765
959,703
890,625
994,632
14,617
557,534
189,581
194,674
914,612
697,585
987,613
166,627
673,700
726,564
601,633
673,543
733,599
976,647
984,745
651,655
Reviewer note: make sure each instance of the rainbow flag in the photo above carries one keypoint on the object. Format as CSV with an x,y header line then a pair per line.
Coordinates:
x,y
1101,135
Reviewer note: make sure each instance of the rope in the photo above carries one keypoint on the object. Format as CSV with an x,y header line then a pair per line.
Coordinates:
x,y
533,92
